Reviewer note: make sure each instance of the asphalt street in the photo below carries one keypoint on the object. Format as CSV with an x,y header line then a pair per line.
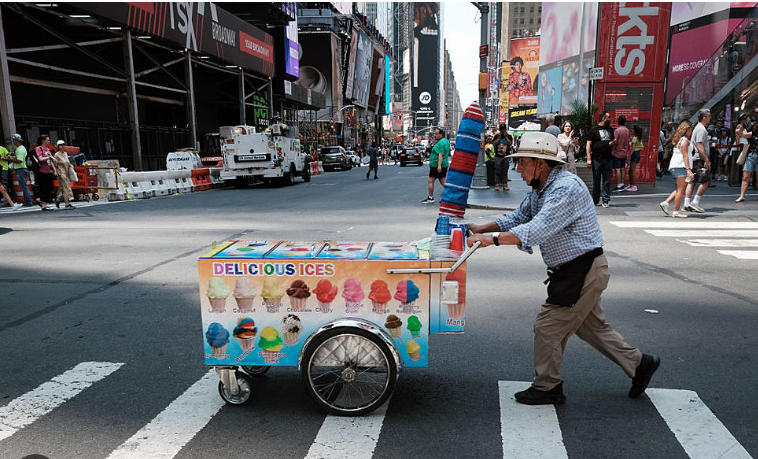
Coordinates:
x,y
116,284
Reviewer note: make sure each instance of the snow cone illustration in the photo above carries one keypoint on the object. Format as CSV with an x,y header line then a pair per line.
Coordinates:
x,y
218,338
245,332
353,294
414,350
291,328
406,293
298,293
244,293
272,294
414,325
393,324
325,293
380,296
270,343
217,293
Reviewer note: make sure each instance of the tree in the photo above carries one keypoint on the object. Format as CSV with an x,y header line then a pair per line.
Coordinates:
x,y
582,118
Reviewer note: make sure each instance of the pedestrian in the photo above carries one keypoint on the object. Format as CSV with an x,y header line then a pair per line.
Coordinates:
x,y
45,175
62,166
751,161
621,151
438,163
568,145
19,167
502,143
723,141
6,196
558,216
5,168
681,168
373,161
634,159
600,143
489,161
701,163
551,128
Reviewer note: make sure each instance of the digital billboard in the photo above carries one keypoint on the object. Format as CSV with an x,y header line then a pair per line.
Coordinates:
x,y
319,70
363,59
549,90
425,63
560,23
525,64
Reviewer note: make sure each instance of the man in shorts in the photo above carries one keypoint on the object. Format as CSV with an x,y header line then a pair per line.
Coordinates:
x,y
438,162
701,164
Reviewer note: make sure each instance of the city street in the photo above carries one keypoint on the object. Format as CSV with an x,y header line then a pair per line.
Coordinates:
x,y
103,344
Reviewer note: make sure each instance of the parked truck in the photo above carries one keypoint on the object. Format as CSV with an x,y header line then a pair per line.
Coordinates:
x,y
273,155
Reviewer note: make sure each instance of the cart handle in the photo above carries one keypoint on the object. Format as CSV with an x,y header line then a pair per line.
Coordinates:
x,y
451,269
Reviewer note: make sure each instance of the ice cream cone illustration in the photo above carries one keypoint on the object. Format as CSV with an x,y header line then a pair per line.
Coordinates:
x,y
218,338
414,350
353,294
325,293
380,297
298,294
270,343
272,294
407,293
244,293
414,326
245,332
393,325
291,327
217,293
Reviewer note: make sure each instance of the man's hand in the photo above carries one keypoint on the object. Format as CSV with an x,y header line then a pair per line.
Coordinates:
x,y
485,239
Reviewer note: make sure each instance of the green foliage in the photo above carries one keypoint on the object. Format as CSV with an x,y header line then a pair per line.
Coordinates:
x,y
582,118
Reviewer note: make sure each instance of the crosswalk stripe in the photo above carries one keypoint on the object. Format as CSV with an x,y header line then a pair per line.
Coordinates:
x,y
740,254
722,242
29,407
703,233
528,432
175,426
679,224
343,437
698,430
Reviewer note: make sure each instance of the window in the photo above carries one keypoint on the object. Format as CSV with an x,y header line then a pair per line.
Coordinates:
x,y
539,20
522,9
521,21
515,21
531,20
531,9
540,9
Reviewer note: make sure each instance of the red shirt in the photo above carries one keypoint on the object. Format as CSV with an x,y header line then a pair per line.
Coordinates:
x,y
621,134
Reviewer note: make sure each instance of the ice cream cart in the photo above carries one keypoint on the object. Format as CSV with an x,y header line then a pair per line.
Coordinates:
x,y
349,315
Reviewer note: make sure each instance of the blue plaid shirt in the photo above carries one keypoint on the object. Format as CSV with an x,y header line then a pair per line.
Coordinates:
x,y
560,219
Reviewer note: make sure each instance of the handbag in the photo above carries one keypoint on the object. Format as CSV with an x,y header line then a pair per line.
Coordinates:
x,y
72,174
743,154
565,282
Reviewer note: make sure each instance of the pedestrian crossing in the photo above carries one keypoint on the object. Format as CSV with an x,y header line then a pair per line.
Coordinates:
x,y
717,235
526,431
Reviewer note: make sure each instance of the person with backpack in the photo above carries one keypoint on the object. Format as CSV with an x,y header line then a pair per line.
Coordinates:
x,y
45,175
19,167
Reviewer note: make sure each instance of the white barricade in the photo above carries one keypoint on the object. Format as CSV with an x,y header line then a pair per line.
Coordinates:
x,y
157,183
145,184
183,181
134,185
215,174
116,191
320,167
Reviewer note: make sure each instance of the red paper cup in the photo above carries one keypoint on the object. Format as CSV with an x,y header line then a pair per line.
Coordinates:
x,y
456,242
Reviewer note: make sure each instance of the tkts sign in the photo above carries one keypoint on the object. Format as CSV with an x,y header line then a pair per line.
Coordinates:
x,y
201,27
633,40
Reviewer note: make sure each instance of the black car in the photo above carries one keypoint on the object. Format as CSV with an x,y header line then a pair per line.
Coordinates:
x,y
335,157
410,156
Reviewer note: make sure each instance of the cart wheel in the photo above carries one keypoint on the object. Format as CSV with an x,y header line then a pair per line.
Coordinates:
x,y
348,371
95,196
256,370
246,389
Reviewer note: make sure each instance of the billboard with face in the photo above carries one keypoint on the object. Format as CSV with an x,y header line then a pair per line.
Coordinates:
x,y
560,23
319,70
525,61
425,63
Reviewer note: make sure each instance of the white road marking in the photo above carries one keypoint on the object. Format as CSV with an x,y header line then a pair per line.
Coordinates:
x,y
722,242
29,407
679,224
741,254
528,432
698,430
175,426
342,437
704,233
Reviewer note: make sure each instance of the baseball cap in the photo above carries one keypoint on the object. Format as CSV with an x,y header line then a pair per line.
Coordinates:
x,y
17,137
61,142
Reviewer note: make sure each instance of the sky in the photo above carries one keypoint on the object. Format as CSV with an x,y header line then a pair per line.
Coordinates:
x,y
462,30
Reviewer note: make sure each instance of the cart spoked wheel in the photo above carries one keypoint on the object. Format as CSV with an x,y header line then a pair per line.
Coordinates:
x,y
95,196
349,371
245,390
256,370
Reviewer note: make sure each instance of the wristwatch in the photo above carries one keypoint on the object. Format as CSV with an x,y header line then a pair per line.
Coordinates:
x,y
494,238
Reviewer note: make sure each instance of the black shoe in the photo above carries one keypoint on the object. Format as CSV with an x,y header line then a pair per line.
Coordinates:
x,y
376,178
428,200
57,203
534,396
645,370
366,176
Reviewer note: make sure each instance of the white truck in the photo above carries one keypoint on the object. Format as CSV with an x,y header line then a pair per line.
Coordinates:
x,y
270,156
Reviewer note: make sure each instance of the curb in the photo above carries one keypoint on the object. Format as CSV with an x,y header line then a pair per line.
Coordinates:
x,y
489,207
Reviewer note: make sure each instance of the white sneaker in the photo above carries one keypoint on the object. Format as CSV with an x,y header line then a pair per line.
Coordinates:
x,y
606,204
665,207
17,206
676,214
697,208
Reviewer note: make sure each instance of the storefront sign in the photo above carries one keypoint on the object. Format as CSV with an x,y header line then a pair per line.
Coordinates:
x,y
202,27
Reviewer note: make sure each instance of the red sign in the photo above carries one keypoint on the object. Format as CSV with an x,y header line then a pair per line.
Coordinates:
x,y
256,47
632,114
633,40
484,51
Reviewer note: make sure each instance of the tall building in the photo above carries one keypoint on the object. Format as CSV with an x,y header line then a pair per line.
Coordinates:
x,y
520,19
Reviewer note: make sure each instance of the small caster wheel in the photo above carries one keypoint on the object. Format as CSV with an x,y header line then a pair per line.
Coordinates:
x,y
245,390
256,370
95,197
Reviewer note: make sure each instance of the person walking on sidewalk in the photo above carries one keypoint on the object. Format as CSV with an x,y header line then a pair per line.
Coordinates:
x,y
439,160
701,164
751,161
373,161
680,167
600,143
45,175
19,166
558,216
637,147
489,161
621,151
62,165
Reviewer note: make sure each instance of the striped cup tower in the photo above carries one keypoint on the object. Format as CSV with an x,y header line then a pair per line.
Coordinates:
x,y
461,170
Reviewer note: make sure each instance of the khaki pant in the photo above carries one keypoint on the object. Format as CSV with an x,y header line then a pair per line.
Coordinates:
x,y
555,324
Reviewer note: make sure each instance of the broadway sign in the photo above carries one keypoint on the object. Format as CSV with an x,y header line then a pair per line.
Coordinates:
x,y
202,27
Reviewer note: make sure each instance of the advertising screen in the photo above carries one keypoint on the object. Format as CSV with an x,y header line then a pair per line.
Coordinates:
x,y
362,79
292,51
377,78
560,23
397,116
525,62
318,72
549,90
351,65
425,63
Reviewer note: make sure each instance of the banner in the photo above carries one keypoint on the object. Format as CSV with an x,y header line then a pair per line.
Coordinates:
x,y
292,49
425,63
317,71
202,27
549,90
525,62
523,119
397,116
561,22
377,77
351,65
363,59
387,86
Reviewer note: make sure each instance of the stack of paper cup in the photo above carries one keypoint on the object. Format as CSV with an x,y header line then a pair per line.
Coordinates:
x,y
456,241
